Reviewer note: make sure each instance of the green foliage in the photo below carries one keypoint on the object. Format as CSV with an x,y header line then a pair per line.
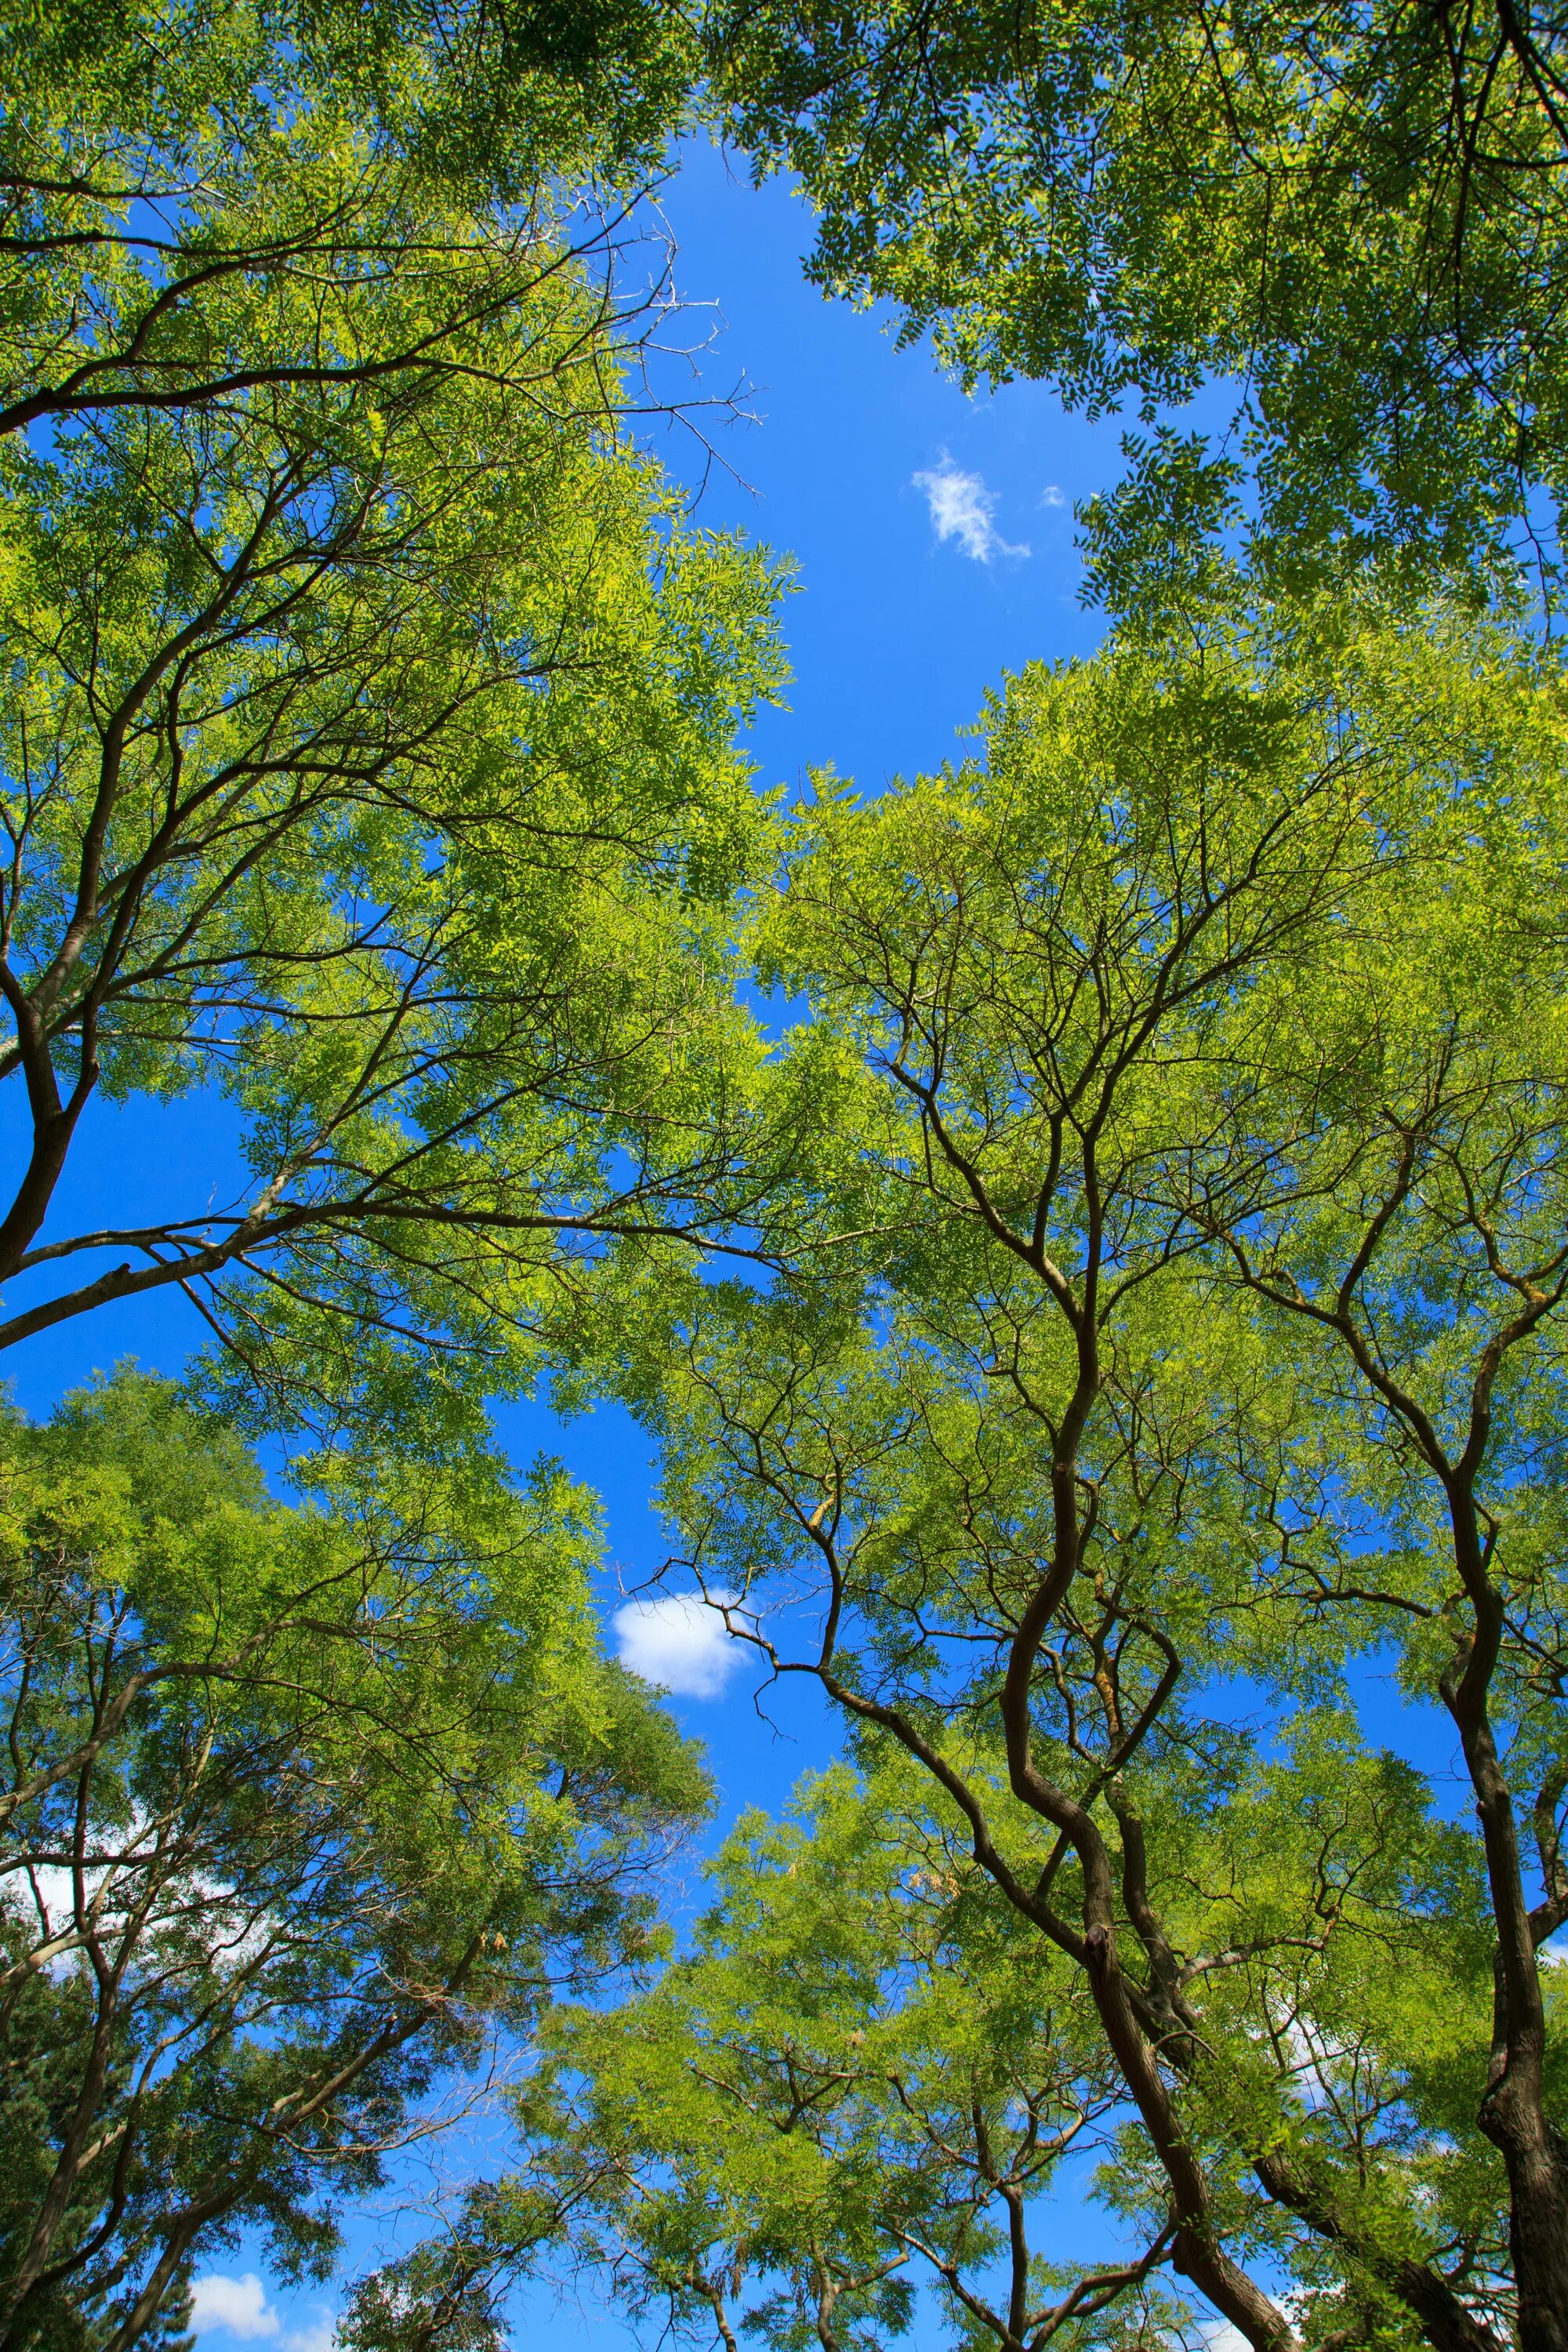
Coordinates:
x,y
1166,1179
870,2075
848,2086
303,1807
368,754
486,101
1354,213
1174,1267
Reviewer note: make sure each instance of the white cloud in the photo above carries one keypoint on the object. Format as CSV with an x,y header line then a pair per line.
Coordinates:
x,y
1219,2335
679,1641
1053,496
962,507
239,2305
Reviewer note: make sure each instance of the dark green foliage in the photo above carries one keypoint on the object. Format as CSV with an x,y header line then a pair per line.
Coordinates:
x,y
302,1810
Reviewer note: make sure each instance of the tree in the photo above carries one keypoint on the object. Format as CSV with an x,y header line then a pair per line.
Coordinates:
x,y
369,755
854,2082
1413,1227
303,1808
1120,1043
155,153
1354,216
368,732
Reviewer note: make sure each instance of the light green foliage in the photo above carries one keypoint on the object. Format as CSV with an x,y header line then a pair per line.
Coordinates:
x,y
1329,1937
365,186
870,2076
487,102
1356,215
860,2082
302,1808
1174,1287
1166,1179
368,742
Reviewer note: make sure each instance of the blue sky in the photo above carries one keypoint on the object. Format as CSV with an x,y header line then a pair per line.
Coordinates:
x,y
895,633
933,541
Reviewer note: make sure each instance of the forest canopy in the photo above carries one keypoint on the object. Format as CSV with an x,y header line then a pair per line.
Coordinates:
x,y
1080,1228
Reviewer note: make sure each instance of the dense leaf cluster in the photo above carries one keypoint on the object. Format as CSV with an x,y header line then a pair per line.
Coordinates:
x,y
301,1809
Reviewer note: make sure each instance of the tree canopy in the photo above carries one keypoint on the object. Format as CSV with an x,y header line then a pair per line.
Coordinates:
x,y
369,752
1107,1327
1354,215
860,2079
303,1807
1175,1305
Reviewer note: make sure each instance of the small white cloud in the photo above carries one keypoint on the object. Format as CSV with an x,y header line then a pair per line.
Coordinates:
x,y
678,1641
1219,2335
1053,496
239,2305
962,507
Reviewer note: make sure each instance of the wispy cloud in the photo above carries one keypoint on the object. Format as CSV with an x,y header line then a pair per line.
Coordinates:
x,y
678,1643
962,507
1052,496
